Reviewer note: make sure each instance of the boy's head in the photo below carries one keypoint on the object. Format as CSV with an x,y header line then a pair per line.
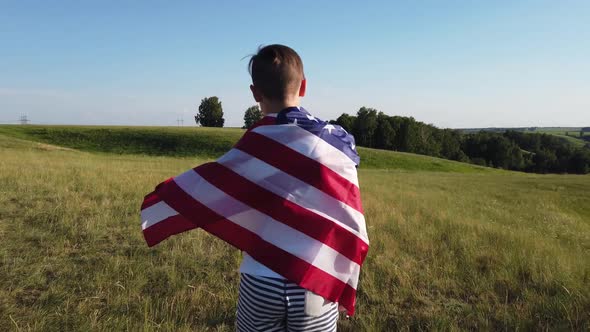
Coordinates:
x,y
277,74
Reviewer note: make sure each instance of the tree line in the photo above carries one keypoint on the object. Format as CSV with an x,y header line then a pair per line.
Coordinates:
x,y
513,150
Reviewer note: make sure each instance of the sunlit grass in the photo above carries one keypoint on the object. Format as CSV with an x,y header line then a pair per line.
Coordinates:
x,y
449,250
201,141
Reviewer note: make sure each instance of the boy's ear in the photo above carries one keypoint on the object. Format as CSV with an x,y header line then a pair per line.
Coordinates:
x,y
302,88
255,93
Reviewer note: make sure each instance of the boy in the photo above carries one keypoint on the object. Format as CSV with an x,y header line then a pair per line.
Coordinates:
x,y
266,300
287,196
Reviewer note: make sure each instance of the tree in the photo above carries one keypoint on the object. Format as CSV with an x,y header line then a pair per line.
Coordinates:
x,y
428,139
210,113
516,159
580,162
543,161
251,116
384,134
450,141
346,121
365,126
496,149
407,139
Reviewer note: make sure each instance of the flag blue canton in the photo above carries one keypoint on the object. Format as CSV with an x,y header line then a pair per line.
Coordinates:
x,y
333,134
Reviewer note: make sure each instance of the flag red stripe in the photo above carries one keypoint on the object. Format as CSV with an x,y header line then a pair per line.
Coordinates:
x,y
186,205
157,233
153,198
291,267
348,299
285,211
149,200
265,121
275,258
302,167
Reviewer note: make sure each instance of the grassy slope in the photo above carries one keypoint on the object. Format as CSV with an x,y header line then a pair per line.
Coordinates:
x,y
573,137
202,142
575,141
487,250
159,141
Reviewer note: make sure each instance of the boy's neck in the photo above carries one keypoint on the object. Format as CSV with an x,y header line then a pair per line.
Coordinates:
x,y
271,106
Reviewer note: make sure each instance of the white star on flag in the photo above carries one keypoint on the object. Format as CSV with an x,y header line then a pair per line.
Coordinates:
x,y
329,128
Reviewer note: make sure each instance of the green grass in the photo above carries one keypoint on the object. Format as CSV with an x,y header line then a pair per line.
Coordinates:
x,y
201,142
382,159
561,131
485,250
577,142
573,137
158,141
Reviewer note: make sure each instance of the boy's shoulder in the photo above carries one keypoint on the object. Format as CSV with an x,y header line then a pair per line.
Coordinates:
x,y
331,134
265,121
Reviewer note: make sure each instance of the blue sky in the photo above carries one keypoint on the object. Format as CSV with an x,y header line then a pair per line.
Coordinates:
x,y
451,63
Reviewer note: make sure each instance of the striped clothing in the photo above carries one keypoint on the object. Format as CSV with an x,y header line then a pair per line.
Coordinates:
x,y
271,304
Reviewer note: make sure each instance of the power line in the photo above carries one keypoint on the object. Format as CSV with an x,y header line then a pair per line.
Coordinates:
x,y
24,119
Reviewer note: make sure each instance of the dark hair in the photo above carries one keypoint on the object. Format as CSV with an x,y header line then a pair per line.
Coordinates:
x,y
277,71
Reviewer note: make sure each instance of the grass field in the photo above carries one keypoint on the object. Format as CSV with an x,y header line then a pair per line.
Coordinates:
x,y
573,131
571,136
203,142
453,246
574,140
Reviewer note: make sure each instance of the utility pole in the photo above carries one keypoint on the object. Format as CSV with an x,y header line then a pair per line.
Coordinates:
x,y
24,119
180,122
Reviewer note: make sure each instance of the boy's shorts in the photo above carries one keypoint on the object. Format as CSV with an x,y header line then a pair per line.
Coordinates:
x,y
271,304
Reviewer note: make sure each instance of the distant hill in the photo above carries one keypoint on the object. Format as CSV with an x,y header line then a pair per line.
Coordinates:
x,y
569,134
201,142
546,130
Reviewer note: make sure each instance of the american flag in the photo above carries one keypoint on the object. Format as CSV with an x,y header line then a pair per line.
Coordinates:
x,y
287,194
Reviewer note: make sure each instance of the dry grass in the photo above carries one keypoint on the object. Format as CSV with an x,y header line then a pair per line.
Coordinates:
x,y
490,250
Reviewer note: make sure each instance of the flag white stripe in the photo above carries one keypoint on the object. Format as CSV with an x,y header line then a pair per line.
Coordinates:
x,y
156,213
293,241
296,191
312,146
